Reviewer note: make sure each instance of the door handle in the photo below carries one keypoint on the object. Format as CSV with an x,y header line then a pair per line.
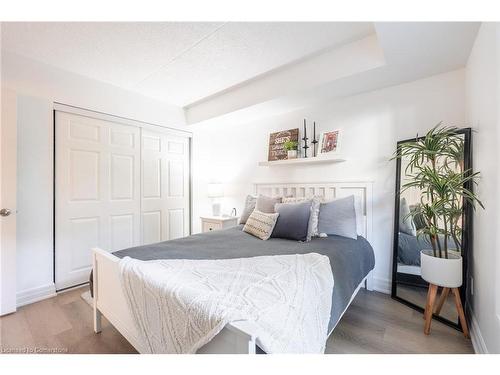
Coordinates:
x,y
5,212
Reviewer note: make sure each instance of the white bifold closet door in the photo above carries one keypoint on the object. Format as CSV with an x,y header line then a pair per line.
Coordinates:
x,y
165,187
117,186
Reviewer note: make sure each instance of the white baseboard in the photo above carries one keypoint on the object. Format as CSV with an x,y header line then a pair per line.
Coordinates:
x,y
382,285
28,296
475,333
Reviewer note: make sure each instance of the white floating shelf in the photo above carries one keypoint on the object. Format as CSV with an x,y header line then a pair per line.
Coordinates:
x,y
300,161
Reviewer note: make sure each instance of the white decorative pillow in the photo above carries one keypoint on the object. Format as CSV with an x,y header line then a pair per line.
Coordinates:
x,y
261,224
314,219
312,230
406,223
248,209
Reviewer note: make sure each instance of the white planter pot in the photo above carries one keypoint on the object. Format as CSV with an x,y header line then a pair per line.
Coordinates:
x,y
441,271
292,154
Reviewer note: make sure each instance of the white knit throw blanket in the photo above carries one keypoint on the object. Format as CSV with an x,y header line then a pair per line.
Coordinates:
x,y
180,305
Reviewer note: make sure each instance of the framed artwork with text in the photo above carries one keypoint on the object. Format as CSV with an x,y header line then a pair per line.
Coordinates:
x,y
277,141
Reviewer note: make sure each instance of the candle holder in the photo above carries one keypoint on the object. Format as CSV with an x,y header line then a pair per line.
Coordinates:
x,y
315,141
305,147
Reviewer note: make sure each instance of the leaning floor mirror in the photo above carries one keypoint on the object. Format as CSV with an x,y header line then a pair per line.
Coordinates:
x,y
414,232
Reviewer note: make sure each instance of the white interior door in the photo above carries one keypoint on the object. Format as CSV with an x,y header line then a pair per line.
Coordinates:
x,y
97,192
8,178
165,186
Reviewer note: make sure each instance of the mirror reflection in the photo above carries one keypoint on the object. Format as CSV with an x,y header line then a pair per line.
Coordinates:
x,y
416,233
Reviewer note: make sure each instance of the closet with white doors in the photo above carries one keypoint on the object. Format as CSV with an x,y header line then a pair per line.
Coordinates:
x,y
117,185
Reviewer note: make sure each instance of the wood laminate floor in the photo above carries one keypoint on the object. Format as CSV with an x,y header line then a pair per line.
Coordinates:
x,y
374,323
418,296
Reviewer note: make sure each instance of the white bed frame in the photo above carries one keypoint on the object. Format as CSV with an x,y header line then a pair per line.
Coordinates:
x,y
236,337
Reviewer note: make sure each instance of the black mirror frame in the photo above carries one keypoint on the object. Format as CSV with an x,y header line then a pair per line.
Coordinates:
x,y
467,234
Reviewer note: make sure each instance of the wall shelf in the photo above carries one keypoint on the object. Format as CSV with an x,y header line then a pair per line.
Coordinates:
x,y
302,161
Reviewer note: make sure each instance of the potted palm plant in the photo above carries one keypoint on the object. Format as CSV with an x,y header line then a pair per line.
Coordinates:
x,y
291,148
435,167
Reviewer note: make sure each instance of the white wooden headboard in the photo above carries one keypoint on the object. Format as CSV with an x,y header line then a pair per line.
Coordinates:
x,y
363,192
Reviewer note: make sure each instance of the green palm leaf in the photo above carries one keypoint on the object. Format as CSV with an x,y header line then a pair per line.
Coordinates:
x,y
435,167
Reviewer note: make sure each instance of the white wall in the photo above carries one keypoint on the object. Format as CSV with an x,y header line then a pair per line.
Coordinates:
x,y
34,197
37,87
371,123
482,100
36,79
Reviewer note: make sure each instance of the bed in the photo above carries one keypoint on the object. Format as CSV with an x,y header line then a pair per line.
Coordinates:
x,y
351,260
409,248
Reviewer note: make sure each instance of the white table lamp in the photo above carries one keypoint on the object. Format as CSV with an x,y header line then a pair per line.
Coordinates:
x,y
215,191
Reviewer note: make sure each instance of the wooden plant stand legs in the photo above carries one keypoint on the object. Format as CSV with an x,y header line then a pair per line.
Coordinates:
x,y
429,307
460,310
442,300
427,300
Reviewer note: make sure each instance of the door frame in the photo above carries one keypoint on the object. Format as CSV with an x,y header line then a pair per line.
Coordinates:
x,y
8,199
74,110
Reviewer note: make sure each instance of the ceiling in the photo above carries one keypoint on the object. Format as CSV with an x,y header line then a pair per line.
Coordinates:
x,y
234,71
177,62
411,50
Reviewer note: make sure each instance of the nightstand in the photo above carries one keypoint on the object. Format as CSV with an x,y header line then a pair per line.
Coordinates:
x,y
210,223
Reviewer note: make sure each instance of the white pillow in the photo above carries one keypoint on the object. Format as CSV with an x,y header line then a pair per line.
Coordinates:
x,y
250,203
359,215
406,223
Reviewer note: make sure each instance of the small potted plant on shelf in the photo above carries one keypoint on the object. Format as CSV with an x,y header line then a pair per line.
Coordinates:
x,y
291,148
435,168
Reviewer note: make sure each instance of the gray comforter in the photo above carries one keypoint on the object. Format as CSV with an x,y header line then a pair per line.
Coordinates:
x,y
351,260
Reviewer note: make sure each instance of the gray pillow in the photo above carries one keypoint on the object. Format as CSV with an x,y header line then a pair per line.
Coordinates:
x,y
266,204
406,224
338,218
248,209
293,221
312,231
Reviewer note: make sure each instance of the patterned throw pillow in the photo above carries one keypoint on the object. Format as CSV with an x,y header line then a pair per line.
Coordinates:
x,y
312,230
260,224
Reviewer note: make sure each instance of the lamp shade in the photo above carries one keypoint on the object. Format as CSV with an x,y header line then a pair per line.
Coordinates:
x,y
215,190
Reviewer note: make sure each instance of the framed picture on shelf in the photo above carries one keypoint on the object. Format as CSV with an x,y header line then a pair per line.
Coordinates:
x,y
330,142
277,142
